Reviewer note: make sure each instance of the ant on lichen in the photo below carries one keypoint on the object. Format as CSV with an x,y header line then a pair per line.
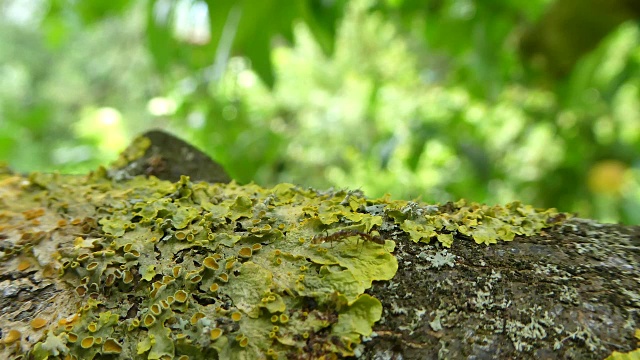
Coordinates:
x,y
347,233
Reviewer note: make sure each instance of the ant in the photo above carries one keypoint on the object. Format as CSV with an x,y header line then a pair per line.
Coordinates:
x,y
346,233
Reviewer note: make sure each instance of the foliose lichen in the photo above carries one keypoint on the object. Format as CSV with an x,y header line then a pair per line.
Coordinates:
x,y
631,355
483,223
163,270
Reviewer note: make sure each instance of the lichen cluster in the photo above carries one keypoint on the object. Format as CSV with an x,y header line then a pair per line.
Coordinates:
x,y
162,270
166,270
483,223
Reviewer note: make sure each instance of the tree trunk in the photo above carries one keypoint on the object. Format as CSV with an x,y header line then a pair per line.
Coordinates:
x,y
113,265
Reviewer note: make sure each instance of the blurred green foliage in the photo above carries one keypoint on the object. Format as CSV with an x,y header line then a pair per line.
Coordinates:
x,y
434,99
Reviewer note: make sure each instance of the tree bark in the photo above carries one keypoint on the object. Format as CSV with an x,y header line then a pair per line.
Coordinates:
x,y
569,291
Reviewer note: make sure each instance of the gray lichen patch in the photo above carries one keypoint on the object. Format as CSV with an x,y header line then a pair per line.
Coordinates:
x,y
566,293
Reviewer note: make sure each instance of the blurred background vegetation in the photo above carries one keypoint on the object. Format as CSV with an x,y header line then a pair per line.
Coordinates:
x,y
491,101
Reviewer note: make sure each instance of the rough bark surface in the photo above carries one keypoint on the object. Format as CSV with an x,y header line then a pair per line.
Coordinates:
x,y
571,291
167,157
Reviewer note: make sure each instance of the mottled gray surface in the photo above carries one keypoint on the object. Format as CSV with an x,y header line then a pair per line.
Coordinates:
x,y
570,293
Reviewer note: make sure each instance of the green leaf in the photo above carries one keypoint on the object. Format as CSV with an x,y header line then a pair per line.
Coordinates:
x,y
218,16
321,17
93,11
259,52
159,36
259,23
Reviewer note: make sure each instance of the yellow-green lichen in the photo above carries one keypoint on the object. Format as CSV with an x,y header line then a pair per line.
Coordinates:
x,y
133,152
482,223
631,355
202,270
